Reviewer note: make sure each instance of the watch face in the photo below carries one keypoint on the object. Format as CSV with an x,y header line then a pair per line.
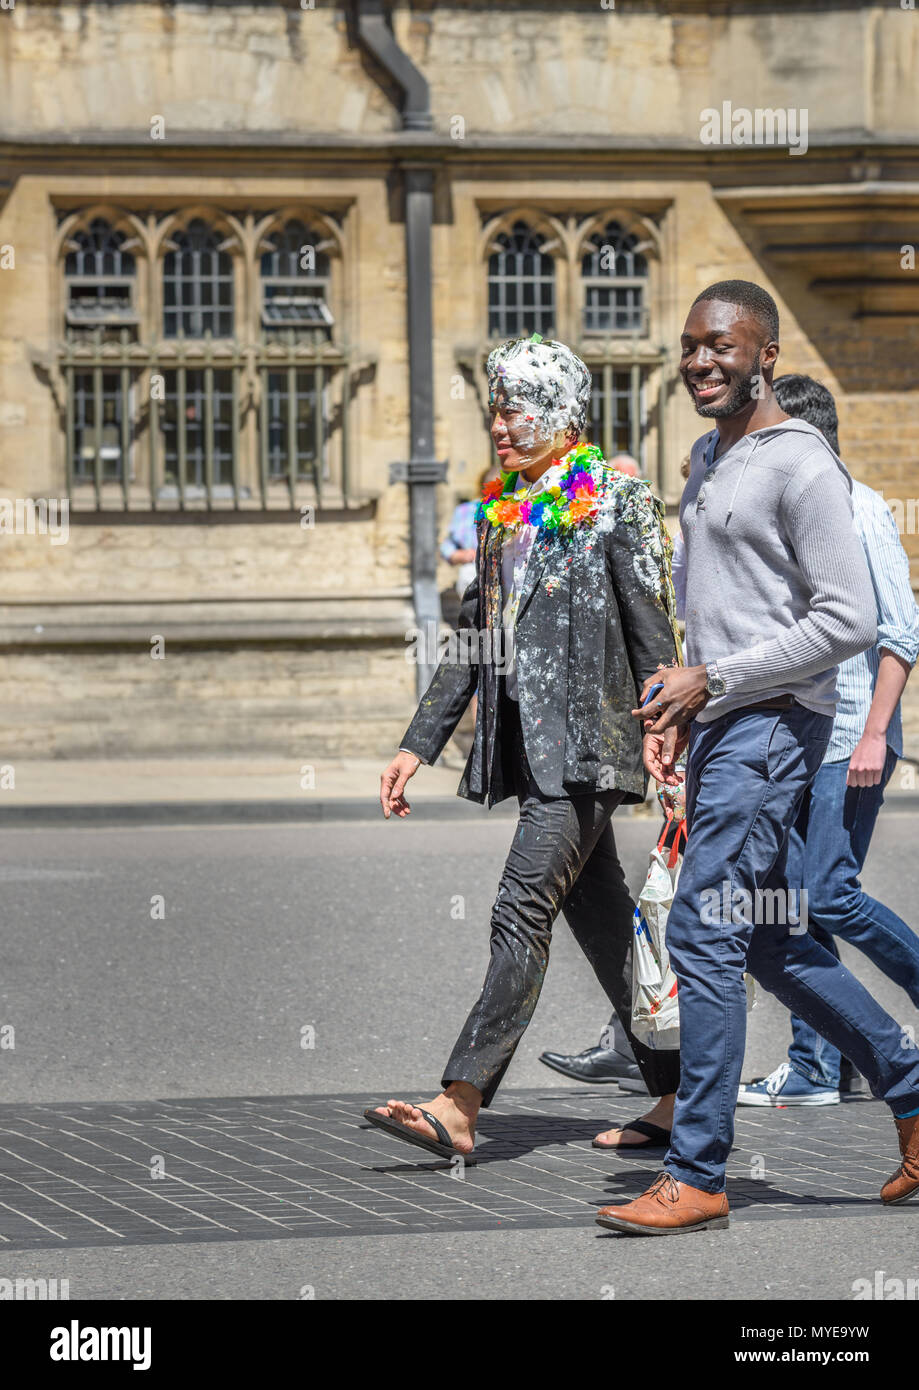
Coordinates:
x,y
715,685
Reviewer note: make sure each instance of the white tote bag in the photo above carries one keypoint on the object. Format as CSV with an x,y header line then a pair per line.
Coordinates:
x,y
655,1010
655,1003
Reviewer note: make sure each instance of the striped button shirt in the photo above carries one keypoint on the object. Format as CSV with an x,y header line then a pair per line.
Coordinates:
x,y
898,626
897,618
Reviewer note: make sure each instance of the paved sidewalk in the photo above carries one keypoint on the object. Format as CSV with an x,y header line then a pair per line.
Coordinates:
x,y
266,1168
170,791
59,792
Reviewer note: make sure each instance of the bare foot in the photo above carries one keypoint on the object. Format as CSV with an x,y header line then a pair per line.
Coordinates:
x,y
661,1115
456,1111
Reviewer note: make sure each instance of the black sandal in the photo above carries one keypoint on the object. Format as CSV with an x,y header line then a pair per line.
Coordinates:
x,y
656,1138
442,1146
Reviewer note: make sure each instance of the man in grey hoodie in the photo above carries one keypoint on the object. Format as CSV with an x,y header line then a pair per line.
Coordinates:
x,y
777,595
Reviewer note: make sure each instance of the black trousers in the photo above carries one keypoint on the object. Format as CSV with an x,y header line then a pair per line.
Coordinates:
x,y
563,859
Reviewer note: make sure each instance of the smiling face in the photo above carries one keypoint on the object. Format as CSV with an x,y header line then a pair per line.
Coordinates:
x,y
724,350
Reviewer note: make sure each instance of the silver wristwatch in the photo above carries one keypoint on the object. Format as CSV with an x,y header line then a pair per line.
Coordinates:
x,y
715,683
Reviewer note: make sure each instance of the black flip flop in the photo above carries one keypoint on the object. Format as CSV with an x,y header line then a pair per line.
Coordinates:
x,y
442,1145
656,1138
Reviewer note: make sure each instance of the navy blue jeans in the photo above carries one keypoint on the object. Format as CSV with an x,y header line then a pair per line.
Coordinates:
x,y
746,777
826,852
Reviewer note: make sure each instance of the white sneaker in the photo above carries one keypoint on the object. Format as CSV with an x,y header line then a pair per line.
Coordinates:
x,y
785,1086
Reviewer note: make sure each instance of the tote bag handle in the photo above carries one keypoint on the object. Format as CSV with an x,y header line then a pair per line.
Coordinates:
x,y
677,843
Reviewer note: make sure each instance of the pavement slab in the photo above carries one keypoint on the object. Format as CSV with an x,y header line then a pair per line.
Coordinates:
x,y
270,1168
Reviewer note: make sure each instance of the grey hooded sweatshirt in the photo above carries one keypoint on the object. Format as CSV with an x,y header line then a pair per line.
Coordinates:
x,y
777,587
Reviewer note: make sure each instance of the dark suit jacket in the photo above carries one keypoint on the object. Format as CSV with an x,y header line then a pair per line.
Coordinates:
x,y
596,617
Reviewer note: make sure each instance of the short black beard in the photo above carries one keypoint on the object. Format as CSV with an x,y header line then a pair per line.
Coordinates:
x,y
739,396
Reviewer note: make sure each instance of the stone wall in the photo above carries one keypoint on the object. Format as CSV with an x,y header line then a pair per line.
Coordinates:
x,y
636,71
300,700
88,65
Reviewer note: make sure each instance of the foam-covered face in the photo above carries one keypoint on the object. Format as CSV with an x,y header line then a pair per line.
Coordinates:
x,y
538,394
526,434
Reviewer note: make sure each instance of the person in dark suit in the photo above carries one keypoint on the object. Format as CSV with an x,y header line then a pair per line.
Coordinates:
x,y
570,611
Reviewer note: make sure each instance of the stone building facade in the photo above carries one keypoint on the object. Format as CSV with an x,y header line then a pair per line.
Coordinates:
x,y
204,323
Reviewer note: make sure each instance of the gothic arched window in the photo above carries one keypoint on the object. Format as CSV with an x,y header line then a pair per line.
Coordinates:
x,y
295,280
197,284
615,277
521,285
100,278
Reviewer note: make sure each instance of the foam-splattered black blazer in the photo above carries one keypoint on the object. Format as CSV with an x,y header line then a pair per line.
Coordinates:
x,y
595,619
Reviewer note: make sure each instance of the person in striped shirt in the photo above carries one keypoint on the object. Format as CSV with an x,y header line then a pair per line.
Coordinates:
x,y
830,839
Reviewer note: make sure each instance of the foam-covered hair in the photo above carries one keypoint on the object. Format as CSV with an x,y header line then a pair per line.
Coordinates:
x,y
546,373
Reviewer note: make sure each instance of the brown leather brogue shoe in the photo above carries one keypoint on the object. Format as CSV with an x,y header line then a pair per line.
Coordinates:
x,y
905,1181
667,1208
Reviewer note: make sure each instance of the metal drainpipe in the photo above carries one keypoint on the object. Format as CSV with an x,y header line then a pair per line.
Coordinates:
x,y
423,471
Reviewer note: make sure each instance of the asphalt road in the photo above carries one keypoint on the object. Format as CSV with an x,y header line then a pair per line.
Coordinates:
x,y
170,963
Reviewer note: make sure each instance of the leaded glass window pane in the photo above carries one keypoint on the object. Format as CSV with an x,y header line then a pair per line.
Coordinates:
x,y
198,285
521,286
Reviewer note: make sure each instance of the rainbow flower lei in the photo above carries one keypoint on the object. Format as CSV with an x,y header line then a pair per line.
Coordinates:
x,y
570,502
